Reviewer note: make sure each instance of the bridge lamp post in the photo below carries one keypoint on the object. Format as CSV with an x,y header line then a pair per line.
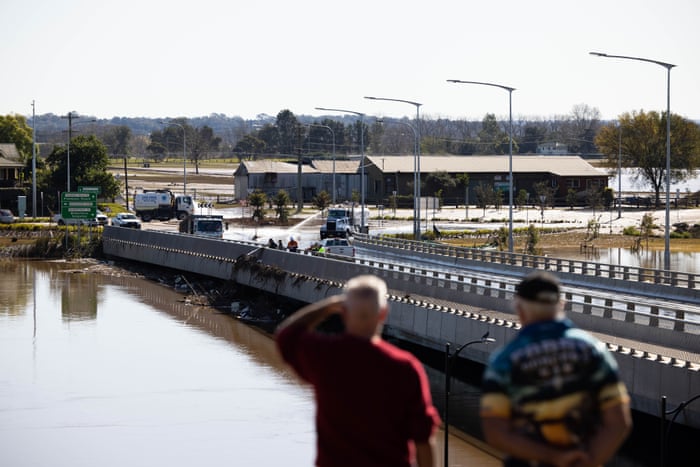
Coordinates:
x,y
333,135
362,159
184,154
510,151
416,163
449,363
668,66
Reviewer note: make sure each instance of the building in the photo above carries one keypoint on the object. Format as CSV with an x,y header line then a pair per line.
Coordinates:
x,y
10,176
271,176
389,174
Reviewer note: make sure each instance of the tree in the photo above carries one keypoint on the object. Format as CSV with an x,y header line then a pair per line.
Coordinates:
x,y
282,200
257,200
521,198
14,129
249,146
439,181
641,140
484,196
200,141
288,131
117,139
88,167
493,139
322,201
571,198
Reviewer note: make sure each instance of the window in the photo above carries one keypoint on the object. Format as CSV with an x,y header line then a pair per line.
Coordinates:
x,y
573,183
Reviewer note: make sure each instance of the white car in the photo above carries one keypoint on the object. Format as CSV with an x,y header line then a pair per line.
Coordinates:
x,y
337,246
126,219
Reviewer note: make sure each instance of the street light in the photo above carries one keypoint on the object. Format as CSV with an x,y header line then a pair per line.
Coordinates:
x,y
449,363
416,164
33,161
668,66
510,151
362,159
71,116
333,135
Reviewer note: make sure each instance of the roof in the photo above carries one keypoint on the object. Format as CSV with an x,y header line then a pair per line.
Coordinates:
x,y
564,166
9,156
341,167
270,166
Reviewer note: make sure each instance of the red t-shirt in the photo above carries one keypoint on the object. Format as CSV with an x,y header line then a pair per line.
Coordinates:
x,y
373,399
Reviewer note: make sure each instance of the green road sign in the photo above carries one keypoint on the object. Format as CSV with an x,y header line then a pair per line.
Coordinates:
x,y
90,189
78,205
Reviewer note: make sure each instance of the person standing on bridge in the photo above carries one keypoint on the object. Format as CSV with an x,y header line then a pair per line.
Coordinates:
x,y
374,407
552,396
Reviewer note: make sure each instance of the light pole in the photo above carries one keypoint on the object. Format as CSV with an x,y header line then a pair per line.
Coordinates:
x,y
33,161
70,116
449,363
333,135
668,66
416,164
362,159
510,151
416,219
184,154
619,173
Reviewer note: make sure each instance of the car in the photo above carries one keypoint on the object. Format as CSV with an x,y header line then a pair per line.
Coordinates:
x,y
337,246
99,219
126,219
6,216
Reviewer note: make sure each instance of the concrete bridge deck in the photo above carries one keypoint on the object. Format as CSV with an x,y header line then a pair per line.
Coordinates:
x,y
658,353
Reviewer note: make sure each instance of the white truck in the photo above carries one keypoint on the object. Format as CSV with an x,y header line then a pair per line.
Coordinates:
x,y
204,226
342,222
163,205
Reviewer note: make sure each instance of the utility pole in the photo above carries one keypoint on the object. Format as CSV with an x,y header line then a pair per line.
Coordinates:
x,y
70,117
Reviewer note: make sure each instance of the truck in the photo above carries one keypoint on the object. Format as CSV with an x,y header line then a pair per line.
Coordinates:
x,y
162,205
204,226
342,222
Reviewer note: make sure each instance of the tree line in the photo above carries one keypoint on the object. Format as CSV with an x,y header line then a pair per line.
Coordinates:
x,y
635,140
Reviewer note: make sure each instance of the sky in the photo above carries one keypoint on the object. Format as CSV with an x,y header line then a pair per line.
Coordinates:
x,y
167,59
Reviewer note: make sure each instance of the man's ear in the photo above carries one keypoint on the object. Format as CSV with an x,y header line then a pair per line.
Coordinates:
x,y
383,313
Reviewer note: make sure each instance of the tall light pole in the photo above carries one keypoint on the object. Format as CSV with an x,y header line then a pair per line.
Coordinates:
x,y
668,66
33,161
510,151
362,159
184,154
333,135
70,116
619,172
449,363
416,164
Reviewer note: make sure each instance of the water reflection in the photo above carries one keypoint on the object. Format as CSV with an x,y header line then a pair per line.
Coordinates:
x,y
650,259
135,376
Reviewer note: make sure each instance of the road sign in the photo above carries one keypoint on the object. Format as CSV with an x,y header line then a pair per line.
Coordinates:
x,y
90,189
78,205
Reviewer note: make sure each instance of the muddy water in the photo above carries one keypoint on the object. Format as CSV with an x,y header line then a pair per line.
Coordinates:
x,y
117,371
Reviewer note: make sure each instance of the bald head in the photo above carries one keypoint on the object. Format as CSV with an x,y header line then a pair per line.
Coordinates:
x,y
365,306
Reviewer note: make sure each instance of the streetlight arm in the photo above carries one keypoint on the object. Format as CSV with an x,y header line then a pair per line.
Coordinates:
x,y
640,59
417,104
507,88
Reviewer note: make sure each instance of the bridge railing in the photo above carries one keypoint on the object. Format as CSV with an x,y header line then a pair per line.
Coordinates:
x,y
678,279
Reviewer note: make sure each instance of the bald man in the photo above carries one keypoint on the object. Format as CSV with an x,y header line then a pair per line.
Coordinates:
x,y
552,396
373,403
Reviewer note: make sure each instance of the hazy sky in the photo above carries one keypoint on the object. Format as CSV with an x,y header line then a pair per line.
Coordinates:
x,y
158,58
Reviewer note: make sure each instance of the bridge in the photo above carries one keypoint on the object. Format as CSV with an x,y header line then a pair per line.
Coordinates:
x,y
649,319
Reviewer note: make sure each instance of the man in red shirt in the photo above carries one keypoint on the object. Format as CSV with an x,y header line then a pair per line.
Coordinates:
x,y
373,400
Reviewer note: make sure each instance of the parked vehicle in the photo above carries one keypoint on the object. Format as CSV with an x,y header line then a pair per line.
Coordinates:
x,y
205,226
126,219
6,216
337,246
99,219
342,222
163,205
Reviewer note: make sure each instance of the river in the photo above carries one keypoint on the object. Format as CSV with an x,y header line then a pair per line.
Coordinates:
x,y
111,370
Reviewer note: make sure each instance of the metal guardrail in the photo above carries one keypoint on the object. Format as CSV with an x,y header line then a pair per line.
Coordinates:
x,y
678,279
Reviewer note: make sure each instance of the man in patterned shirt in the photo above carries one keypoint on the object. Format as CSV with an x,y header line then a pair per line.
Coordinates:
x,y
552,396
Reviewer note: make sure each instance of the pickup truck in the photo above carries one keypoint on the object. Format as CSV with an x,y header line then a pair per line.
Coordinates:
x,y
337,246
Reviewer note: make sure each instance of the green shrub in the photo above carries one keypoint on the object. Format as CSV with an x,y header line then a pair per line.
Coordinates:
x,y
631,230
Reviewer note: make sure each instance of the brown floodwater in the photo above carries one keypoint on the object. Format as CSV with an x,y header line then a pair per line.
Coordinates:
x,y
110,370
